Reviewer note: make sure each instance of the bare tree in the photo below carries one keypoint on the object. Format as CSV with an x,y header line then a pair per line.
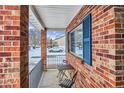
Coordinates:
x,y
34,38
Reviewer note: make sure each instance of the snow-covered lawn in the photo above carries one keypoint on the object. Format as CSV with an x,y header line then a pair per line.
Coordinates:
x,y
34,57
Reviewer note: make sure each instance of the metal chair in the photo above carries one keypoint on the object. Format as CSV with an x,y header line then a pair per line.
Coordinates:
x,y
68,83
62,69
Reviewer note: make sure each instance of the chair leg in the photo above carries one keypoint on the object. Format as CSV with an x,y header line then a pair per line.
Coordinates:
x,y
58,74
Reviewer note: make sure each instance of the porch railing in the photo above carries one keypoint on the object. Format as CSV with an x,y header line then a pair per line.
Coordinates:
x,y
35,75
54,60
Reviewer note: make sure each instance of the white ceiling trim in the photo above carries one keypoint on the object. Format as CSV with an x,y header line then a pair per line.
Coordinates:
x,y
56,29
34,20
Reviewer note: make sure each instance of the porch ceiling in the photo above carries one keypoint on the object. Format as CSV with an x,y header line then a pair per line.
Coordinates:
x,y
56,17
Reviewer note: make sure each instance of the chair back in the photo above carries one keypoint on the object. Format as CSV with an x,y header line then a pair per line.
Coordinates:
x,y
74,76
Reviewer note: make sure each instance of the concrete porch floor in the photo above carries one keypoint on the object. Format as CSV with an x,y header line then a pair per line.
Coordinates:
x,y
49,79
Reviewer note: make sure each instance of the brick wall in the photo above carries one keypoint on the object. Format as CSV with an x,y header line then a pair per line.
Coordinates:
x,y
107,47
13,60
44,48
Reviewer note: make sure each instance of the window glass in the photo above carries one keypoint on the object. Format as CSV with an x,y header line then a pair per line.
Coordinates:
x,y
76,41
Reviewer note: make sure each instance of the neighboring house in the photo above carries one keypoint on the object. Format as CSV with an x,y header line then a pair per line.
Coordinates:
x,y
49,43
60,41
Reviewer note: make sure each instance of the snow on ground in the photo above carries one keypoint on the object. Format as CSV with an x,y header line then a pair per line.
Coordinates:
x,y
35,57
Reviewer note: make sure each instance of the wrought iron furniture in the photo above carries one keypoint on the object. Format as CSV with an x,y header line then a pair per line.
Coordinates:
x,y
68,83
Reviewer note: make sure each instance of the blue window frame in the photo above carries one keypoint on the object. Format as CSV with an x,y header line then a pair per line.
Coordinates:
x,y
67,42
86,40
73,41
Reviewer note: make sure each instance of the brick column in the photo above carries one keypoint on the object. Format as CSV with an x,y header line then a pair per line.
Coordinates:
x,y
44,48
119,45
24,46
13,46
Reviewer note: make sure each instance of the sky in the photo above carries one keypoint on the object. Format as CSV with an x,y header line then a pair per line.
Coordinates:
x,y
55,34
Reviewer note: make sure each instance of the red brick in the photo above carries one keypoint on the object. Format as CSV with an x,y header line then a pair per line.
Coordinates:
x,y
11,38
1,17
99,54
16,43
11,70
9,7
119,78
6,23
5,12
16,59
16,23
16,85
5,32
121,83
99,69
119,51
7,86
111,21
113,82
1,48
1,37
5,54
119,41
11,28
11,48
12,18
5,43
1,70
16,32
8,60
114,57
15,54
109,26
104,50
112,36
118,25
119,10
119,67
1,59
1,22
2,76
1,7
112,72
104,68
119,30
107,8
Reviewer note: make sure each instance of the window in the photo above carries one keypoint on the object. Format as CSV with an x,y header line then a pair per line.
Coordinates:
x,y
76,41
80,40
87,40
